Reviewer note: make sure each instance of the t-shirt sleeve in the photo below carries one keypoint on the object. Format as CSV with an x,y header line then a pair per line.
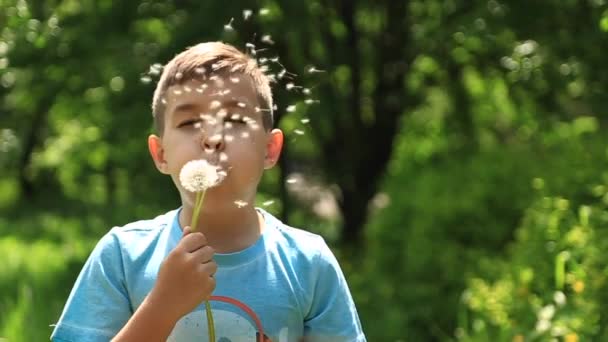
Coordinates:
x,y
332,316
98,306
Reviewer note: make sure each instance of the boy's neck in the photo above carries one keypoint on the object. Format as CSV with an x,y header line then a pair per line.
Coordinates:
x,y
229,230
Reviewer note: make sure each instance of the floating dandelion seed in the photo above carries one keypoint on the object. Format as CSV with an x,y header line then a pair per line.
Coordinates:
x,y
200,90
289,86
200,71
305,120
267,39
198,175
298,131
222,113
311,101
163,101
291,181
177,92
228,27
264,11
264,68
229,138
267,203
313,70
263,60
291,109
247,14
235,79
197,125
145,79
245,135
275,59
240,204
228,125
306,91
155,69
281,74
241,104
187,89
235,117
223,157
215,104
275,107
224,92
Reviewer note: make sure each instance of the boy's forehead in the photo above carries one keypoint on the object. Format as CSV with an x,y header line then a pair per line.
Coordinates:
x,y
231,88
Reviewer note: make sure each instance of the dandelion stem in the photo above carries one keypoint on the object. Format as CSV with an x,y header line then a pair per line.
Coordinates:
x,y
198,203
210,324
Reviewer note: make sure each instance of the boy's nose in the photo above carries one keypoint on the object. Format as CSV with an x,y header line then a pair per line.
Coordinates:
x,y
214,140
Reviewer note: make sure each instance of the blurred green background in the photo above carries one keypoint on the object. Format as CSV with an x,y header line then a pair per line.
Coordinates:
x,y
453,153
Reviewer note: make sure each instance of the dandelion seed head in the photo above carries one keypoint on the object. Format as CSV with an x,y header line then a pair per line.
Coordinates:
x,y
198,175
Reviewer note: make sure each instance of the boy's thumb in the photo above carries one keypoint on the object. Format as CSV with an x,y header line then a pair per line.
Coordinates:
x,y
187,230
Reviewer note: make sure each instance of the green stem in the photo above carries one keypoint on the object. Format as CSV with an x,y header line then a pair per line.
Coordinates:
x,y
210,324
198,203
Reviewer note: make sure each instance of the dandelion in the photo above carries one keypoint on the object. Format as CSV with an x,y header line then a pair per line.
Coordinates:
x,y
197,176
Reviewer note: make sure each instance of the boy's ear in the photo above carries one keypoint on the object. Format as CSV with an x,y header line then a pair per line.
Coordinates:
x,y
155,146
274,145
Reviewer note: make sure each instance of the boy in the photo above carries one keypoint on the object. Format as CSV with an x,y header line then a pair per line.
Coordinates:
x,y
265,281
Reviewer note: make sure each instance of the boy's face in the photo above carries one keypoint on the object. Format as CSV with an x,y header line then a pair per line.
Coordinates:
x,y
217,120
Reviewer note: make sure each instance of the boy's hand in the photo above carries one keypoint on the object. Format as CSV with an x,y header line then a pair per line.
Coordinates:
x,y
185,278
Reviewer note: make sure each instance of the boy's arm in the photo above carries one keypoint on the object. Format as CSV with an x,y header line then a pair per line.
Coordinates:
x,y
332,315
99,308
98,305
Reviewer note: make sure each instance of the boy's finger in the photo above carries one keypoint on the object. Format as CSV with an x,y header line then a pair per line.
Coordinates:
x,y
187,230
193,241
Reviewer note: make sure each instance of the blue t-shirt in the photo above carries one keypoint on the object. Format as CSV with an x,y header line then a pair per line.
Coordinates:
x,y
286,285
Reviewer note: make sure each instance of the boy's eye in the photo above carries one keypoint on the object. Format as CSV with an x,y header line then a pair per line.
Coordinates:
x,y
189,122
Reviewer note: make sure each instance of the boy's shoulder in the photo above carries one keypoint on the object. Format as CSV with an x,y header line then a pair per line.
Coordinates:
x,y
296,242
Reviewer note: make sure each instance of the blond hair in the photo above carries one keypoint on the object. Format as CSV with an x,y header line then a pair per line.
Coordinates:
x,y
205,59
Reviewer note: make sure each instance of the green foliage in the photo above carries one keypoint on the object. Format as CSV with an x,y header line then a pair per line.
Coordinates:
x,y
551,284
465,127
